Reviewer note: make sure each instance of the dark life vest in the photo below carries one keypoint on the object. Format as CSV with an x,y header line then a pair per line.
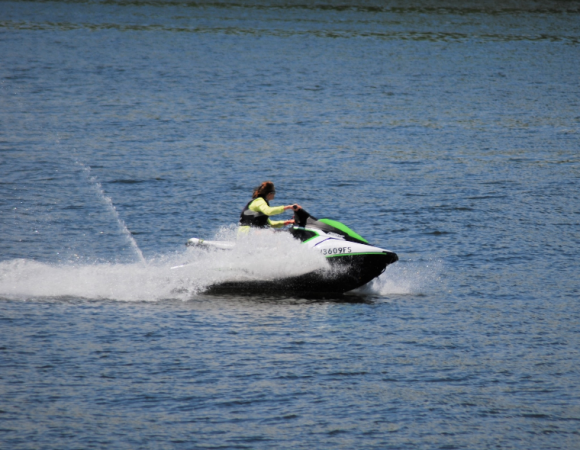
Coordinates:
x,y
250,218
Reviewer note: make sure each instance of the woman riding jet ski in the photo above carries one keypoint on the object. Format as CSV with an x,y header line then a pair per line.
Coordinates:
x,y
257,212
353,262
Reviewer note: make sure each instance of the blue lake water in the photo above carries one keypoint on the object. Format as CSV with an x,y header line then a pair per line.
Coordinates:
x,y
448,134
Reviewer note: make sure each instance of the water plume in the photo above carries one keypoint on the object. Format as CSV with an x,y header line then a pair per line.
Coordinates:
x,y
98,188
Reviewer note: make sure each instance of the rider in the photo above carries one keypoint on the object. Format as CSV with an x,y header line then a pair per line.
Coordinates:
x,y
256,213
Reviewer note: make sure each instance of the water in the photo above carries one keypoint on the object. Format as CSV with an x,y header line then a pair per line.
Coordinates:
x,y
447,134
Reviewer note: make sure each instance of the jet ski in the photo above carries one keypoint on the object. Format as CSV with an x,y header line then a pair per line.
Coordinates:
x,y
353,261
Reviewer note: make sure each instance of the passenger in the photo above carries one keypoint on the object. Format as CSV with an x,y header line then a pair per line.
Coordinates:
x,y
256,213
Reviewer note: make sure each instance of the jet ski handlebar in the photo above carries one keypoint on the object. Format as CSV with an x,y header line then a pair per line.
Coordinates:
x,y
301,216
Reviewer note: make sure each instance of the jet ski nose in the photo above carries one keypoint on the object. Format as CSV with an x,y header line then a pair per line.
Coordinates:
x,y
391,257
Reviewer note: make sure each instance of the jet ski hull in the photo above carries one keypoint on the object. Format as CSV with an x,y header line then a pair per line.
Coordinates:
x,y
346,274
353,261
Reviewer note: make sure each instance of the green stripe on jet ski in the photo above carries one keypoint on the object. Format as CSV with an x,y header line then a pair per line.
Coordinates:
x,y
342,227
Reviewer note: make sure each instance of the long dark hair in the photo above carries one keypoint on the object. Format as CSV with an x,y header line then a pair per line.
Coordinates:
x,y
264,189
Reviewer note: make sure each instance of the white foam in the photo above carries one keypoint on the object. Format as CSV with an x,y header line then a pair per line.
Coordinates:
x,y
263,256
405,278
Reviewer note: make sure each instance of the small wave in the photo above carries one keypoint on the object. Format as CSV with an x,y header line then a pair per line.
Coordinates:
x,y
419,36
126,181
445,9
438,233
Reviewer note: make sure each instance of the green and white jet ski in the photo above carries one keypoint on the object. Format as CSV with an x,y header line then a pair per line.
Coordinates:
x,y
353,261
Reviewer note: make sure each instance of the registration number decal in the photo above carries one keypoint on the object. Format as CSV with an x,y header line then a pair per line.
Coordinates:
x,y
336,251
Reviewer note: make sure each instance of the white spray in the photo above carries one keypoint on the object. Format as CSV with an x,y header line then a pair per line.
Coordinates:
x,y
406,278
261,257
111,207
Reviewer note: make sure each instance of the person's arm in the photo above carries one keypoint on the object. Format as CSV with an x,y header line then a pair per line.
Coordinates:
x,y
277,223
260,205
